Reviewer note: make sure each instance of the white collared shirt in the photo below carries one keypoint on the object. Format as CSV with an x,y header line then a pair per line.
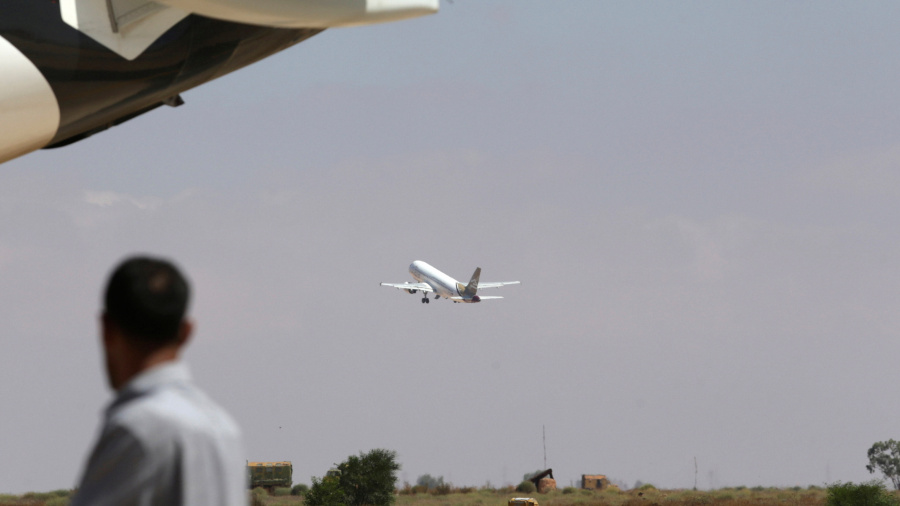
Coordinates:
x,y
164,442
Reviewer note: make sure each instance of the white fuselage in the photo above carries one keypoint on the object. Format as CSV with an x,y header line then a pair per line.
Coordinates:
x,y
442,284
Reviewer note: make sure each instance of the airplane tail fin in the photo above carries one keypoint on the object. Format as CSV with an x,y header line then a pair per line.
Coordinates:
x,y
472,287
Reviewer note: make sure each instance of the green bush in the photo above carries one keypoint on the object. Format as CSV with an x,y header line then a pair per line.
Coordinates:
x,y
281,491
258,496
57,501
870,493
442,489
429,482
325,492
368,479
569,490
526,487
300,489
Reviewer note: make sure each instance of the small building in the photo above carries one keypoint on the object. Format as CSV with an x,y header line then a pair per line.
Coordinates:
x,y
594,481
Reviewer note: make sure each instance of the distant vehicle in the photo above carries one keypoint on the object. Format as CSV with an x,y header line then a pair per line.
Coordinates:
x,y
270,475
432,280
523,501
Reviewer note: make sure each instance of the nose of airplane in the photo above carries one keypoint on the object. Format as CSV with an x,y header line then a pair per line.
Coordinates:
x,y
476,298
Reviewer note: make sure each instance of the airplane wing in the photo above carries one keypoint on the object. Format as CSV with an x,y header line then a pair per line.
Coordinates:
x,y
480,298
410,286
496,284
129,27
126,27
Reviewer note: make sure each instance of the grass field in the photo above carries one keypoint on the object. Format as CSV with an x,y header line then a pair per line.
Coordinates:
x,y
644,497
739,496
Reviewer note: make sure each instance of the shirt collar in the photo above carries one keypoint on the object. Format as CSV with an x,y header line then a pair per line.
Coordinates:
x,y
166,373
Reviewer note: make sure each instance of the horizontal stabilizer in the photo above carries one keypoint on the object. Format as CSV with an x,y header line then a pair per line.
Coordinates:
x,y
496,284
477,298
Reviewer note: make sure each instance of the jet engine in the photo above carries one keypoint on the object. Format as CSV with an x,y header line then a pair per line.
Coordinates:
x,y
30,114
307,13
411,291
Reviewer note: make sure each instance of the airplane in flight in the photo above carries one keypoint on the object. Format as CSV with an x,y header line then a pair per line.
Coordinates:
x,y
432,280
72,68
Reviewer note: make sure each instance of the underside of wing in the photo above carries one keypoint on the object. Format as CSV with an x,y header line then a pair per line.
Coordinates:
x,y
126,27
410,286
129,27
496,284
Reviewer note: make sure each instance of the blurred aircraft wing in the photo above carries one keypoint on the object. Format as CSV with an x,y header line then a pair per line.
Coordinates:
x,y
410,286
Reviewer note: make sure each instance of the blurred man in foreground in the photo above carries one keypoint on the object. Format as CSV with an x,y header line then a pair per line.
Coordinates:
x,y
163,441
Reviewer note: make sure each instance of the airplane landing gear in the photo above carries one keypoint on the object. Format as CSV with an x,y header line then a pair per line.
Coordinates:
x,y
425,300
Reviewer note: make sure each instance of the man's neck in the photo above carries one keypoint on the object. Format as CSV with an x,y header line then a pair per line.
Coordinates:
x,y
141,361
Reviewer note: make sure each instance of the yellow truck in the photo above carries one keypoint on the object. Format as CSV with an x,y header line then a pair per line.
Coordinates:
x,y
270,475
522,501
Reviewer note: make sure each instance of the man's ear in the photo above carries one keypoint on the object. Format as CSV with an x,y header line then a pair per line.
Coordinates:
x,y
185,330
107,328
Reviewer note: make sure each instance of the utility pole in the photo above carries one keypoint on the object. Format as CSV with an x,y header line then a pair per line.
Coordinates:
x,y
695,472
544,429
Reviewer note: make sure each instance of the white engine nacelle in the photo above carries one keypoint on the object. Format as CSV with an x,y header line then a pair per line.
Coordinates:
x,y
29,116
307,13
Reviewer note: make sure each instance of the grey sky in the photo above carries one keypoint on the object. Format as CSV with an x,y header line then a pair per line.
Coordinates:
x,y
698,197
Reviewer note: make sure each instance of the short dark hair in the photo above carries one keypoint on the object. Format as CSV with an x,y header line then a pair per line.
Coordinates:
x,y
147,298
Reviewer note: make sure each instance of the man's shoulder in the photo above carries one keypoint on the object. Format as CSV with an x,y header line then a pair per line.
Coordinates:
x,y
179,408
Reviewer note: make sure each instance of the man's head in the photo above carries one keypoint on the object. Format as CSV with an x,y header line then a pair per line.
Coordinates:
x,y
143,318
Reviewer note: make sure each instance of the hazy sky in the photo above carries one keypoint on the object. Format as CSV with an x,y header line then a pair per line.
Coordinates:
x,y
700,199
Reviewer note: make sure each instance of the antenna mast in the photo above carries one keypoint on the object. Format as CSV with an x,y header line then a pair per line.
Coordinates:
x,y
544,430
695,472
